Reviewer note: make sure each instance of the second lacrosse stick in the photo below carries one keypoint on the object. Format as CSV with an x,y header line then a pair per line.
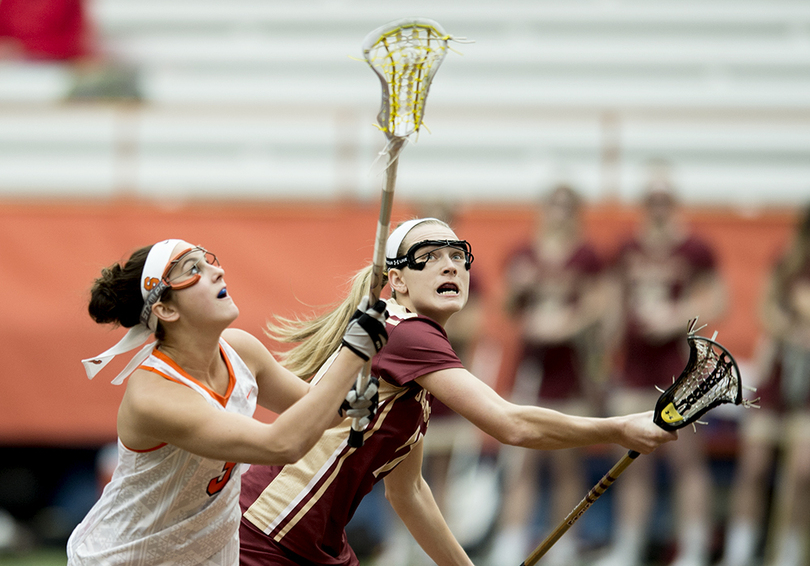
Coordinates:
x,y
711,378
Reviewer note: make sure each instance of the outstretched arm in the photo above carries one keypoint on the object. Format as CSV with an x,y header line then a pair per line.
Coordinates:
x,y
536,427
411,498
155,410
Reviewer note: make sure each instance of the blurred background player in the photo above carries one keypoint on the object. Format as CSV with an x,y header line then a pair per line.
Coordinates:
x,y
665,275
556,293
781,429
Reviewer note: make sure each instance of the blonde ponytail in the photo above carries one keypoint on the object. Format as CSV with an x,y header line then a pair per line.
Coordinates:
x,y
319,337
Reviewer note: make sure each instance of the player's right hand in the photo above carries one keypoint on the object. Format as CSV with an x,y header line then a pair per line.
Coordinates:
x,y
643,435
366,334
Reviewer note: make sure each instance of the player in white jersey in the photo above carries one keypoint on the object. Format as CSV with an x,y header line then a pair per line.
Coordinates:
x,y
184,424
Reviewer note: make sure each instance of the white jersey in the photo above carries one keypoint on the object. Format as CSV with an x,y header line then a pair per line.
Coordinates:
x,y
166,505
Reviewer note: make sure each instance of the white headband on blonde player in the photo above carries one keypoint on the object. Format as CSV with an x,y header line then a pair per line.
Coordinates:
x,y
156,261
396,237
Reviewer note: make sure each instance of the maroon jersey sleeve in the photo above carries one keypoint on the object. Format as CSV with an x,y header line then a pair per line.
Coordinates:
x,y
585,260
416,346
699,255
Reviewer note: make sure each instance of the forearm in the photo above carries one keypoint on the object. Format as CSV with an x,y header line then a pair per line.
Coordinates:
x,y
545,429
303,423
422,517
537,427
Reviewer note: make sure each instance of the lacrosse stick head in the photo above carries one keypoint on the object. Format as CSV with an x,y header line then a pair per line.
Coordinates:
x,y
711,377
405,54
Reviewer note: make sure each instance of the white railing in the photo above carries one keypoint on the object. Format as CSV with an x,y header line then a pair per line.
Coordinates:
x,y
260,98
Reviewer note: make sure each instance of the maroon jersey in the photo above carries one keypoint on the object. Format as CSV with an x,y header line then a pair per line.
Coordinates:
x,y
304,507
557,285
648,278
787,385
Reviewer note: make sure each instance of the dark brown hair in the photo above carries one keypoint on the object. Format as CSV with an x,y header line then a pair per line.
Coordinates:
x,y
115,297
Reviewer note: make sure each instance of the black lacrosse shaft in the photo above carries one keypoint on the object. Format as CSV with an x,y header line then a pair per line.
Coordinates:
x,y
600,488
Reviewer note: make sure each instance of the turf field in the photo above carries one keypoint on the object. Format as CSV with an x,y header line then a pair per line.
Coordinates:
x,y
50,557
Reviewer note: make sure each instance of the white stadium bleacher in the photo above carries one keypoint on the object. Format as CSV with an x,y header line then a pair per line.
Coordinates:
x,y
267,99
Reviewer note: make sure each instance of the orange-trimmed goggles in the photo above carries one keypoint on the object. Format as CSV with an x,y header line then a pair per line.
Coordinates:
x,y
181,272
184,269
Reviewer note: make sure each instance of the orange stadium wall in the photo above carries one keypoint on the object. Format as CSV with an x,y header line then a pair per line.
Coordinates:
x,y
280,258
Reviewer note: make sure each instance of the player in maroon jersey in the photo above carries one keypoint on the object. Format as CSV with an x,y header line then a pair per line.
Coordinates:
x,y
556,292
296,514
666,275
782,427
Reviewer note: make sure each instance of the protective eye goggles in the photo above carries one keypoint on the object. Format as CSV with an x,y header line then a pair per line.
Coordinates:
x,y
181,272
417,257
184,270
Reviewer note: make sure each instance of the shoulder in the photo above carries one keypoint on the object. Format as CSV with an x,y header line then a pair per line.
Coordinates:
x,y
586,258
411,328
249,348
153,404
244,343
419,338
697,250
630,243
520,255
149,388
628,246
418,330
416,346
696,242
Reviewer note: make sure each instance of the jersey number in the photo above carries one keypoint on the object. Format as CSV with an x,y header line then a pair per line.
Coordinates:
x,y
216,484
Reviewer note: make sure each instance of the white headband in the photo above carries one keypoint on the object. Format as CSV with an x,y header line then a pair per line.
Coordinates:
x,y
396,237
156,261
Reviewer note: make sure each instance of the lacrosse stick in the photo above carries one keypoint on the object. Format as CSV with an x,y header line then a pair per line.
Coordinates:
x,y
711,377
405,54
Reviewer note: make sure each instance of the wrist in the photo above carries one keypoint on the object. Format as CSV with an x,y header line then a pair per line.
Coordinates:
x,y
617,430
354,351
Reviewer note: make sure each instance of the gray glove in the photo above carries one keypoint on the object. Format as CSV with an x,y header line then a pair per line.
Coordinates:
x,y
364,406
366,335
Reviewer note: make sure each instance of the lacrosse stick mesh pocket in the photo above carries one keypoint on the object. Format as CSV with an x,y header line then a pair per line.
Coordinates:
x,y
711,378
405,54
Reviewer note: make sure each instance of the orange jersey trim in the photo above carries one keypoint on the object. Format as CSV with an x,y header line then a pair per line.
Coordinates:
x,y
221,399
158,447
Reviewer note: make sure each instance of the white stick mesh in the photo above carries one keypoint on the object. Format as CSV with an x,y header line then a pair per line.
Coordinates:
x,y
711,381
711,378
405,54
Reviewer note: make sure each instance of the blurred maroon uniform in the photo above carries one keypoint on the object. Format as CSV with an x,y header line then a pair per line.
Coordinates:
x,y
787,384
557,284
296,514
649,278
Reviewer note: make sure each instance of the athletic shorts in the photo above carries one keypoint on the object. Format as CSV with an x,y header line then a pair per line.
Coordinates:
x,y
257,549
769,427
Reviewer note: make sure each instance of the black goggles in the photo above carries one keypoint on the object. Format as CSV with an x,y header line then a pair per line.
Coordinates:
x,y
417,258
